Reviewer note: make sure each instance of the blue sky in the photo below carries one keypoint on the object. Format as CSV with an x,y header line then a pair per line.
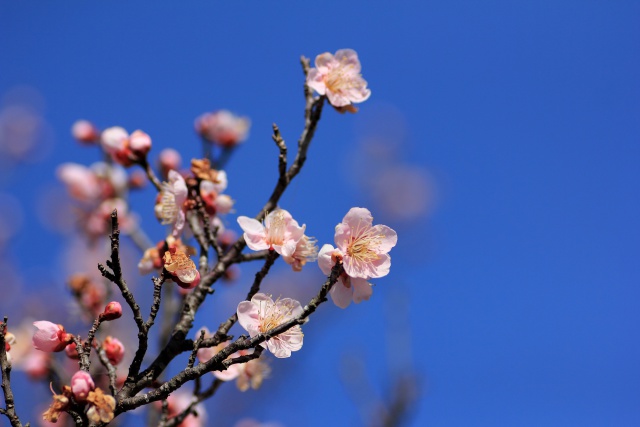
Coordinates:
x,y
522,117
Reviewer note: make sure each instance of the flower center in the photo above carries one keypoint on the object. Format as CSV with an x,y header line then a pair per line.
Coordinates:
x,y
169,209
272,316
364,244
277,227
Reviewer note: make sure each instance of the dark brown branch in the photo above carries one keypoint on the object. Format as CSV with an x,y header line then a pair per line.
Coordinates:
x,y
282,158
194,352
10,409
87,345
253,256
83,356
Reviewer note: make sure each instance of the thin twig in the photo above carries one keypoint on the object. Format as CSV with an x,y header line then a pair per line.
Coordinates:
x,y
150,174
9,410
111,370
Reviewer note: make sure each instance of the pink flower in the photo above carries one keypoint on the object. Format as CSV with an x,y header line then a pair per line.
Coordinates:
x,y
169,208
262,314
204,354
338,77
50,337
114,349
182,268
81,181
347,288
81,385
178,402
364,246
306,251
363,250
280,232
252,374
223,128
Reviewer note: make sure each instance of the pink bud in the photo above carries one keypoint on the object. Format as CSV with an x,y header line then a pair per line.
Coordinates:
x,y
112,311
114,349
114,139
72,351
81,385
140,143
169,159
85,131
50,337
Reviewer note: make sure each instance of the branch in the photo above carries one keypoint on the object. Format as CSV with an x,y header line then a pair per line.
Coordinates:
x,y
224,328
9,410
111,370
150,174
193,301
219,362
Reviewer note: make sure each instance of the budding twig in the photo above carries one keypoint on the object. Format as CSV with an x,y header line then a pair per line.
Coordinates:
x,y
111,370
9,410
219,362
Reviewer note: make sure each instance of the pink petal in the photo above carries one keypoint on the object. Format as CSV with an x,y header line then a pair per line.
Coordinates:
x,y
294,307
389,237
248,316
324,259
315,81
342,236
324,61
348,57
380,267
278,349
254,233
338,99
362,290
341,295
358,218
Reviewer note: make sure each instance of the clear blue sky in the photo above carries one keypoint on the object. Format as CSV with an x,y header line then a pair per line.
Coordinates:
x,y
523,280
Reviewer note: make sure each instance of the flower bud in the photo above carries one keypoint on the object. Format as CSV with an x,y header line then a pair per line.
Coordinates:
x,y
169,159
114,140
114,349
140,143
112,311
72,351
81,385
50,337
84,131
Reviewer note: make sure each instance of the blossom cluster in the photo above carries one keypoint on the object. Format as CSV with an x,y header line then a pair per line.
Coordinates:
x,y
192,203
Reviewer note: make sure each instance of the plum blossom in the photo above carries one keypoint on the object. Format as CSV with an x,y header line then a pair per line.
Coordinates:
x,y
81,385
262,314
306,251
249,374
169,159
280,232
364,246
252,373
338,77
50,337
178,402
223,128
182,268
169,207
347,288
101,406
363,249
